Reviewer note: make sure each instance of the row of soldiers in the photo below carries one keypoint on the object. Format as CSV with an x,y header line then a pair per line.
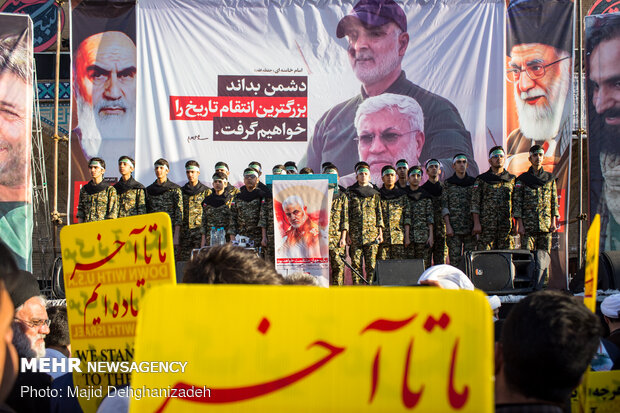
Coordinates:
x,y
402,219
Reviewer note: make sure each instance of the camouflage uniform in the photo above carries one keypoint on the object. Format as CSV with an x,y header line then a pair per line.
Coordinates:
x,y
338,222
421,217
131,198
216,214
439,249
97,204
365,219
166,198
248,215
536,202
396,214
456,204
191,230
271,248
492,199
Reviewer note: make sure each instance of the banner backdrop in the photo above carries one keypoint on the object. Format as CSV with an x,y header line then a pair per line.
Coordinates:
x,y
103,52
301,223
243,81
603,71
539,75
16,93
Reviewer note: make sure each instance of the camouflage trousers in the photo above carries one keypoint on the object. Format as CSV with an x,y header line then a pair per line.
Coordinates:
x,y
336,267
537,241
458,245
391,252
499,240
189,239
270,249
369,253
439,250
419,250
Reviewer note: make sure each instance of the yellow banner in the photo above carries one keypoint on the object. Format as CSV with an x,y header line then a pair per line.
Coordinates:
x,y
303,349
603,393
108,267
591,274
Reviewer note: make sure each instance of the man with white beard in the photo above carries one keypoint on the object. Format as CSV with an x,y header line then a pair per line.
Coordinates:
x,y
376,31
105,92
540,71
603,50
301,239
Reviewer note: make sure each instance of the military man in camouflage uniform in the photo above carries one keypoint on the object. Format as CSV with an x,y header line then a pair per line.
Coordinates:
x,y
365,223
194,192
491,204
535,205
269,250
216,208
456,210
98,200
223,168
338,228
435,189
396,217
248,214
401,170
164,195
422,218
131,193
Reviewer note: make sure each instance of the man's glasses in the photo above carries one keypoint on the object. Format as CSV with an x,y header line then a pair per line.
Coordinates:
x,y
387,138
534,71
36,323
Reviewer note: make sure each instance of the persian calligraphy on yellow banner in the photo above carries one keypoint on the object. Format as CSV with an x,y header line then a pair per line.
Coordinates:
x,y
591,274
603,392
108,268
303,349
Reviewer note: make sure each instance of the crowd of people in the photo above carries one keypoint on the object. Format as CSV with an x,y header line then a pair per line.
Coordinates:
x,y
436,221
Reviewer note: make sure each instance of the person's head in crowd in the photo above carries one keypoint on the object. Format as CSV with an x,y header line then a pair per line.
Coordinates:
x,y
537,156
250,178
256,166
497,157
15,111
459,164
414,176
105,88
325,165
401,169
447,277
58,337
228,264
362,173
388,175
278,169
126,166
540,64
162,169
295,210
610,307
291,167
300,278
376,31
306,171
96,166
31,324
389,127
495,304
330,169
222,167
192,171
220,180
547,343
433,169
9,362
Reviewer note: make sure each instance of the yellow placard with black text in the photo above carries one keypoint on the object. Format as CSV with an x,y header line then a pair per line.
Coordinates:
x,y
603,395
108,266
306,349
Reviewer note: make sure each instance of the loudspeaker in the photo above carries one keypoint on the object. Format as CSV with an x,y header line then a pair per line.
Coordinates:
x,y
609,269
399,272
506,271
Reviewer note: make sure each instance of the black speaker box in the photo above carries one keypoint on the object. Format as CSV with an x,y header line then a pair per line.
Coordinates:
x,y
507,271
610,264
399,272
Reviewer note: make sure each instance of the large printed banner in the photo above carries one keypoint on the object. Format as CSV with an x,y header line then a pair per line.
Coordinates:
x,y
108,268
301,209
275,81
603,71
16,94
292,349
103,53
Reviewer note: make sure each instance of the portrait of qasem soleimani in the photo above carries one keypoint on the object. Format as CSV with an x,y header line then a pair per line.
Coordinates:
x,y
603,87
104,85
301,235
